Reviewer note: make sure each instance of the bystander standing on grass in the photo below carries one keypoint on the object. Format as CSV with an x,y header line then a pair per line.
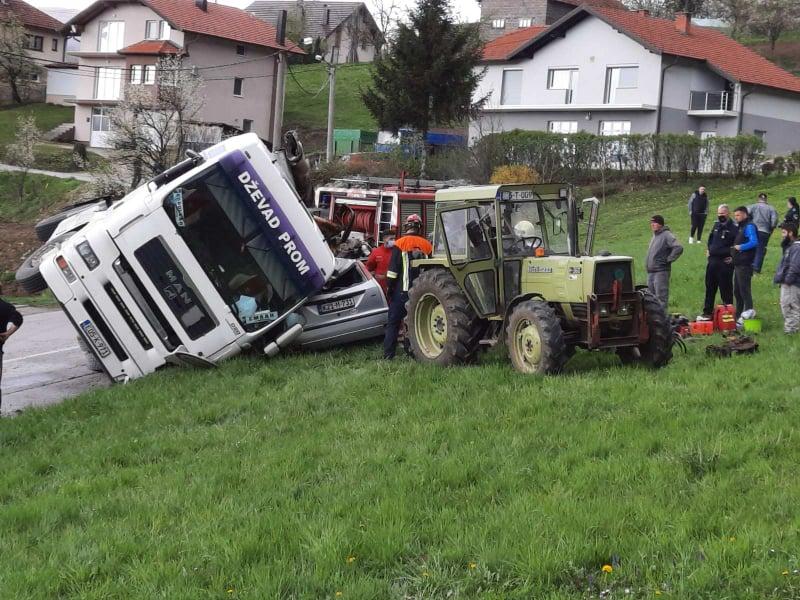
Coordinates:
x,y
765,218
719,269
10,322
745,246
788,277
698,211
664,250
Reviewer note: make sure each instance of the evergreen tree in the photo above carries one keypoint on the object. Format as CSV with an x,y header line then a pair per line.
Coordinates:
x,y
428,74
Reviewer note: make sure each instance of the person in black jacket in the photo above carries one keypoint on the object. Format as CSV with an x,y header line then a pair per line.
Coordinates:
x,y
793,214
719,270
10,321
698,211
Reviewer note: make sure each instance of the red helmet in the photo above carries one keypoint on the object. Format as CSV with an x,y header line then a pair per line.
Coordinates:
x,y
413,222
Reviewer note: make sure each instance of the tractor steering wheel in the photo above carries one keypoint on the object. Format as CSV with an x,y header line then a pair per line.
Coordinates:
x,y
518,244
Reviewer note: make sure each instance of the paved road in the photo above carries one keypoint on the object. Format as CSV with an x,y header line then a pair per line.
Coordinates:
x,y
43,363
80,176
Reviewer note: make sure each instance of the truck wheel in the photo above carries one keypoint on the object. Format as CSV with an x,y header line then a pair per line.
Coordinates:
x,y
534,339
45,228
28,276
657,351
441,322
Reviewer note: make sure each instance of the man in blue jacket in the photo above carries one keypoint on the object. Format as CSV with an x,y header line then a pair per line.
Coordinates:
x,y
744,251
788,276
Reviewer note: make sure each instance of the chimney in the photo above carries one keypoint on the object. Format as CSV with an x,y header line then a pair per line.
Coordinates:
x,y
280,28
202,5
683,22
643,12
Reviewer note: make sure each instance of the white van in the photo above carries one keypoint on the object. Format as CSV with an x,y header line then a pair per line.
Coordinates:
x,y
214,256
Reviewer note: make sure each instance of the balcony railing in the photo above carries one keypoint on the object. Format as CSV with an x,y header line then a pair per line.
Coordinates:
x,y
711,101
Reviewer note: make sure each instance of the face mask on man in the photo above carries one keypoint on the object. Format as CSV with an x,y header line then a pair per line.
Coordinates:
x,y
390,243
722,218
246,306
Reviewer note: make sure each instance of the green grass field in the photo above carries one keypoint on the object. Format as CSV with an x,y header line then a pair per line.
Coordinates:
x,y
41,194
47,117
338,475
310,111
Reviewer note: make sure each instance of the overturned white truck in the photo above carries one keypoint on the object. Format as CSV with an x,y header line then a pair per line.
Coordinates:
x,y
215,256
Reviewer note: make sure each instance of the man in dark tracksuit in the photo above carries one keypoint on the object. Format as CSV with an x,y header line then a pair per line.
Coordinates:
x,y
719,270
399,278
744,251
698,211
8,315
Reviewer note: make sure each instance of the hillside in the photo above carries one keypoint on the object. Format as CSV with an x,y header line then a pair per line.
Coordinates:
x,y
306,105
338,475
787,50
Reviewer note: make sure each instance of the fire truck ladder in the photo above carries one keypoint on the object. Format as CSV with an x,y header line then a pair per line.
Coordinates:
x,y
385,216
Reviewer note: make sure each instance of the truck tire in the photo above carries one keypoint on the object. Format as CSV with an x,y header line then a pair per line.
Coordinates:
x,y
441,322
28,276
657,351
45,228
535,340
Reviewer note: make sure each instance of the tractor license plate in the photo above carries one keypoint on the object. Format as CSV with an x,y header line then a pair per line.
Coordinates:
x,y
95,339
337,305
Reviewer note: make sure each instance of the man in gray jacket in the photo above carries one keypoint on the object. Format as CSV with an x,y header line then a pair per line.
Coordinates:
x,y
765,218
788,277
663,251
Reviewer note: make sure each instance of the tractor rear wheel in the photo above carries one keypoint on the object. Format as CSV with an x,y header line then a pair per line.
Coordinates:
x,y
441,321
656,352
534,339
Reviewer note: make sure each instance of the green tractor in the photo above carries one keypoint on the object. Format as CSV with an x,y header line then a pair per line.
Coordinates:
x,y
507,264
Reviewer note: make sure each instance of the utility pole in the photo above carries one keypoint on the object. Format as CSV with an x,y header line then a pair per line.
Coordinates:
x,y
280,83
331,105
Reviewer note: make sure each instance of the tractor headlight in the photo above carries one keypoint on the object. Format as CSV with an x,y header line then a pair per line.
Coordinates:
x,y
604,310
88,255
624,310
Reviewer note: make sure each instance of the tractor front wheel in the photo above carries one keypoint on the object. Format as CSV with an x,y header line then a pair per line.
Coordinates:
x,y
441,322
656,352
534,339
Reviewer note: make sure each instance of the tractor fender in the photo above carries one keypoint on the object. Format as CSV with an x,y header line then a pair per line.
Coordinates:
x,y
517,300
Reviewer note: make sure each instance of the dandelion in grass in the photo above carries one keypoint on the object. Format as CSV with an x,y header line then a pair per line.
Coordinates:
x,y
658,592
608,569
784,572
338,594
351,559
732,539
230,590
426,574
473,565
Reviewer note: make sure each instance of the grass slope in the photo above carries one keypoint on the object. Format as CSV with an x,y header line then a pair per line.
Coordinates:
x,y
47,116
306,109
42,194
339,475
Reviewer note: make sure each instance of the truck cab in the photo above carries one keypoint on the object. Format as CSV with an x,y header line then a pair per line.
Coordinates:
x,y
210,258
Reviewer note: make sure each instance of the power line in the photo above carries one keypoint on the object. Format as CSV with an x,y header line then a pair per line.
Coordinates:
x,y
303,89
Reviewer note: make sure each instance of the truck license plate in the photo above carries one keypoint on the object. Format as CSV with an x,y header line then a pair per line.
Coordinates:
x,y
95,339
337,305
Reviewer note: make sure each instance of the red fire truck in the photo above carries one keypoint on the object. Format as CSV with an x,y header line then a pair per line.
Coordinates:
x,y
377,204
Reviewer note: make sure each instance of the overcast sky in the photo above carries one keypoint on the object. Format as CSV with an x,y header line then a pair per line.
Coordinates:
x,y
465,10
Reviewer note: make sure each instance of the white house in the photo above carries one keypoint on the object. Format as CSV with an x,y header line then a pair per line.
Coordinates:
x,y
609,71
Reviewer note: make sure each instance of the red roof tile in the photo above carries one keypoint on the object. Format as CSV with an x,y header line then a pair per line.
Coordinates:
x,y
150,47
722,53
505,46
598,3
30,16
220,21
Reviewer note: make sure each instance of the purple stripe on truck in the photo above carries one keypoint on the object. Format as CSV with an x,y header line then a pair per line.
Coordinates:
x,y
283,238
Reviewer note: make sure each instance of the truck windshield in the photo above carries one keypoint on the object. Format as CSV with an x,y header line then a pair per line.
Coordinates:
x,y
523,222
232,248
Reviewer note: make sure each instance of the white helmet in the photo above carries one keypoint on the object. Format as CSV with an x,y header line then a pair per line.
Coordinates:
x,y
524,229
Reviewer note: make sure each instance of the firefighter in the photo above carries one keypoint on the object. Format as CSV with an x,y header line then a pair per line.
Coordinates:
x,y
378,261
400,275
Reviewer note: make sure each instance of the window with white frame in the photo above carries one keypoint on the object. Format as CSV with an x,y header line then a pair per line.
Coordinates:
x,y
609,128
156,30
149,74
620,78
511,92
563,79
108,82
110,36
136,73
525,22
498,23
562,126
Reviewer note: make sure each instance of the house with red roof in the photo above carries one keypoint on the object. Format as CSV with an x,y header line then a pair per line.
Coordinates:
x,y
239,57
499,17
609,71
45,45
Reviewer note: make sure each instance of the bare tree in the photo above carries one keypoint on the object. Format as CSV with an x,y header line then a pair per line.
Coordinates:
x,y
386,12
16,67
21,152
772,17
735,12
149,127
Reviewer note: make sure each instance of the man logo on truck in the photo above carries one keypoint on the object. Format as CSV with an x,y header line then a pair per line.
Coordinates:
x,y
262,202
